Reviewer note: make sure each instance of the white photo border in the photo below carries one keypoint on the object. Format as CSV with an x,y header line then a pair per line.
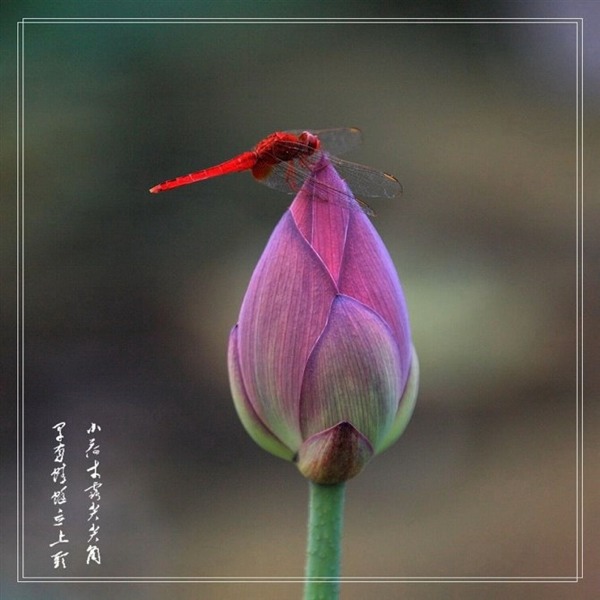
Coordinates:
x,y
20,250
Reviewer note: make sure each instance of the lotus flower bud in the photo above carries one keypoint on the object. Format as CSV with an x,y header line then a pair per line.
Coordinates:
x,y
321,364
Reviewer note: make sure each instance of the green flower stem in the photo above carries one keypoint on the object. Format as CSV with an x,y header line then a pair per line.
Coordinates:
x,y
326,509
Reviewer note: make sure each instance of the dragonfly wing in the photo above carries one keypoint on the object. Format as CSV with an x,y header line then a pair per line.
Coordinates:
x,y
289,177
366,182
286,177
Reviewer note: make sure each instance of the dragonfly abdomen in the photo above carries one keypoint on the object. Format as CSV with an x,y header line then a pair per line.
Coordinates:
x,y
243,162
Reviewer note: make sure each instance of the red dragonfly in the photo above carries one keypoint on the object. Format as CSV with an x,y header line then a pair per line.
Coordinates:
x,y
283,160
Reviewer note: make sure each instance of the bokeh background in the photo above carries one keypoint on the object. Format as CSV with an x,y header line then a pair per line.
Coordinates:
x,y
129,298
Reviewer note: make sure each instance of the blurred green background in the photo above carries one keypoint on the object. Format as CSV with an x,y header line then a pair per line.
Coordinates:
x,y
129,297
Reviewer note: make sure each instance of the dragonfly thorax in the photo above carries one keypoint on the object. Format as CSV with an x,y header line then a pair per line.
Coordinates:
x,y
285,147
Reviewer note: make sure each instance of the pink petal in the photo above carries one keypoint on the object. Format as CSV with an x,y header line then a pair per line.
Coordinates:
x,y
406,408
256,429
284,311
321,217
353,374
368,274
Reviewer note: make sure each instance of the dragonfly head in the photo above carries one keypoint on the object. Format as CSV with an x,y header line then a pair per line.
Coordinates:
x,y
310,140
